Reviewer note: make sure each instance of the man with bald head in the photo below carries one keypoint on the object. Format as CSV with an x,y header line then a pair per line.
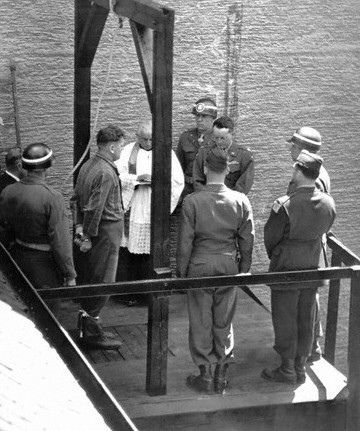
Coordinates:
x,y
308,138
135,170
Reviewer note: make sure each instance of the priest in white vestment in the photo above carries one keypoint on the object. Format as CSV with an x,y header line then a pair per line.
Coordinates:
x,y
135,167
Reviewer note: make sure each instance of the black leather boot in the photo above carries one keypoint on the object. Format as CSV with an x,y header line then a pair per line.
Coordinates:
x,y
203,382
220,378
92,335
300,362
284,374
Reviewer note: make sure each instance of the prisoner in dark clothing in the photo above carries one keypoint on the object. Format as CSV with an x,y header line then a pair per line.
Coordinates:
x,y
293,238
99,224
216,225
34,213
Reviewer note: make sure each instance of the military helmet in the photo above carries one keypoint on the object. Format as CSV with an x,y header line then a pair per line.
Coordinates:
x,y
306,137
205,106
37,156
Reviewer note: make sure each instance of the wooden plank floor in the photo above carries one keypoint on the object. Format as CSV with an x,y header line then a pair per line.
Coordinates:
x,y
124,371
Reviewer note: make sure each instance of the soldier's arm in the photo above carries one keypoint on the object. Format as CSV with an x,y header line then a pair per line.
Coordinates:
x,y
59,237
275,227
180,152
7,235
185,238
95,206
199,177
246,234
246,178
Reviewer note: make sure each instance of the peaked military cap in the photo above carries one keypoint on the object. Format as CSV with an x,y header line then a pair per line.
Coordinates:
x,y
309,162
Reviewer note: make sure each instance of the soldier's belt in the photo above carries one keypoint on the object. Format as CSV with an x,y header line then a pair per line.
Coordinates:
x,y
33,246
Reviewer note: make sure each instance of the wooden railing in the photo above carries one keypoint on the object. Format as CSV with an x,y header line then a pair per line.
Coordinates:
x,y
340,255
96,390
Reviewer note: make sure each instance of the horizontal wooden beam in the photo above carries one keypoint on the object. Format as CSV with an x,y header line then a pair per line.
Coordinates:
x,y
346,255
145,12
143,40
167,285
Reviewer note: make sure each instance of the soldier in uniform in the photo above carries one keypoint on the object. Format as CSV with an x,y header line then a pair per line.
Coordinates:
x,y
205,112
34,213
241,161
13,171
216,237
307,138
293,240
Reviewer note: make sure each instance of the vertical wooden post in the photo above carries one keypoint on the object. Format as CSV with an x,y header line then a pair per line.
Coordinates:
x,y
353,401
82,85
89,24
160,203
332,313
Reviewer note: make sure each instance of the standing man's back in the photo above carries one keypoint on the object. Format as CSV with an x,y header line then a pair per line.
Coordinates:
x,y
215,238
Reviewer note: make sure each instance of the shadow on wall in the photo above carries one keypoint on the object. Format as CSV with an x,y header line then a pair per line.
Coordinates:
x,y
233,58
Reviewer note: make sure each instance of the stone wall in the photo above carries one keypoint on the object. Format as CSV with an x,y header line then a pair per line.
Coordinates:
x,y
272,66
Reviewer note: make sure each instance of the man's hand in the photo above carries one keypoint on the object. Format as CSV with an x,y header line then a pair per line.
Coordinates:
x,y
69,282
79,235
86,244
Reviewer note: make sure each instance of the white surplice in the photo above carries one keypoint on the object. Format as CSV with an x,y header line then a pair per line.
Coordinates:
x,y
137,197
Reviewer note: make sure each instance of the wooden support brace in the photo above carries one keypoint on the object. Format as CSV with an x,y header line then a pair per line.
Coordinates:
x,y
143,39
145,12
332,313
353,401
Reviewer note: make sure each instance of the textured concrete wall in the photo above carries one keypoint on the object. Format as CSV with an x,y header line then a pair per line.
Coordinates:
x,y
272,65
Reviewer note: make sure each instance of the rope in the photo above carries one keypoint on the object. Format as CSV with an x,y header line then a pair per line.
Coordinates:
x,y
92,134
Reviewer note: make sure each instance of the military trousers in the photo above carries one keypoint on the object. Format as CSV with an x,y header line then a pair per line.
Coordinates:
x,y
211,311
293,316
41,269
102,262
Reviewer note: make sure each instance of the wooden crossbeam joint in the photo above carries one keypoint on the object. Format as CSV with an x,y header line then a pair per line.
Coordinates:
x,y
146,12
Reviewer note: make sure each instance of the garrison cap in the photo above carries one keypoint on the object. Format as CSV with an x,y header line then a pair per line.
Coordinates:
x,y
217,159
205,106
309,163
307,137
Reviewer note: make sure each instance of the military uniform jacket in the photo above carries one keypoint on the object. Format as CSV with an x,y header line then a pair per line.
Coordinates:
x,y
241,167
35,213
294,230
212,222
188,146
322,182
